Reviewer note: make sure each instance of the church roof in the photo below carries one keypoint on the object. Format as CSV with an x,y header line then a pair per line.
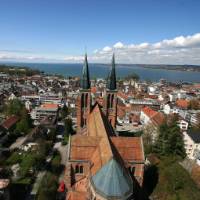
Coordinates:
x,y
112,181
106,154
108,172
85,80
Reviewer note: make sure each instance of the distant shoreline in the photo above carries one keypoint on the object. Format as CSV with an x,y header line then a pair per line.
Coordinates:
x,y
185,68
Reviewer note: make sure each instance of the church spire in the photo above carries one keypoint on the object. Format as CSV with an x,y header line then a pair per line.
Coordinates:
x,y
85,80
111,84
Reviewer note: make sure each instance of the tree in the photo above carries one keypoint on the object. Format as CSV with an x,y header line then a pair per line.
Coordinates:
x,y
14,107
48,187
132,76
56,163
170,140
68,126
64,111
24,125
194,104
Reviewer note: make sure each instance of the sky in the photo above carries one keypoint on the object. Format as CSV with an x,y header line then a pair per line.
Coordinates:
x,y
137,31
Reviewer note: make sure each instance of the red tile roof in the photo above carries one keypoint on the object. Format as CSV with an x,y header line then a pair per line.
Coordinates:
x,y
129,147
149,112
75,195
158,119
93,90
182,103
11,121
49,105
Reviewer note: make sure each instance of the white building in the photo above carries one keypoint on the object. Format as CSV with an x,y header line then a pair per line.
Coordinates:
x,y
172,97
45,110
183,124
167,109
192,145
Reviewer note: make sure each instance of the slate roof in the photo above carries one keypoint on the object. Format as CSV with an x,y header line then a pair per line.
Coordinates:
x,y
111,83
195,135
85,80
112,181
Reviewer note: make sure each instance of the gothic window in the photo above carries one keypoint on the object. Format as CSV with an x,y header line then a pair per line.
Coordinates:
x,y
84,122
82,100
129,168
86,100
108,101
77,169
133,170
81,169
112,101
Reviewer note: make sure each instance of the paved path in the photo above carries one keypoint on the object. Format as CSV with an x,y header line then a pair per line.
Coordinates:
x,y
37,182
63,149
18,143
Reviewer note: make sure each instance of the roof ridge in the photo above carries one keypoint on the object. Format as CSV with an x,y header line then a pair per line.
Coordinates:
x,y
106,148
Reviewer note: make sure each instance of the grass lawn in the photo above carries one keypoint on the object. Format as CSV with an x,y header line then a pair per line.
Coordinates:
x,y
172,183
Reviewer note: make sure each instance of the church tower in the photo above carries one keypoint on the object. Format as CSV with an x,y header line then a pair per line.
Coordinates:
x,y
110,104
84,98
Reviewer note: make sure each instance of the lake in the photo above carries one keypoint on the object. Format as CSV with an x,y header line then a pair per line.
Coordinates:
x,y
101,71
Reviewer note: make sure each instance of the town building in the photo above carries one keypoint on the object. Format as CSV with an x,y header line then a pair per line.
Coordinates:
x,y
192,144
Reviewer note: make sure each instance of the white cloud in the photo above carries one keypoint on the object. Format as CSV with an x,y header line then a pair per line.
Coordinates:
x,y
73,58
118,45
107,49
178,50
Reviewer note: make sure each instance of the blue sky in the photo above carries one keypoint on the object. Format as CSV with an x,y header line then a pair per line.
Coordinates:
x,y
59,30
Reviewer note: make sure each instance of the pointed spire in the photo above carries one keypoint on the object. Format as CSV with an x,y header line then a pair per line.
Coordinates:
x,y
111,84
85,80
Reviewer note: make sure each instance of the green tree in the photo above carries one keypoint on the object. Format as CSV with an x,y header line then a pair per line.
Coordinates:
x,y
194,104
48,187
56,163
170,140
24,125
68,126
14,107
64,111
132,76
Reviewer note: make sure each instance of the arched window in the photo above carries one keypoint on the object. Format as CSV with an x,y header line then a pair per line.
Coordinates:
x,y
129,169
112,101
82,100
108,101
133,170
86,100
84,122
77,169
81,169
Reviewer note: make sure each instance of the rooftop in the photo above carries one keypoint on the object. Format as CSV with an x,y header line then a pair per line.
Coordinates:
x,y
11,121
195,135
